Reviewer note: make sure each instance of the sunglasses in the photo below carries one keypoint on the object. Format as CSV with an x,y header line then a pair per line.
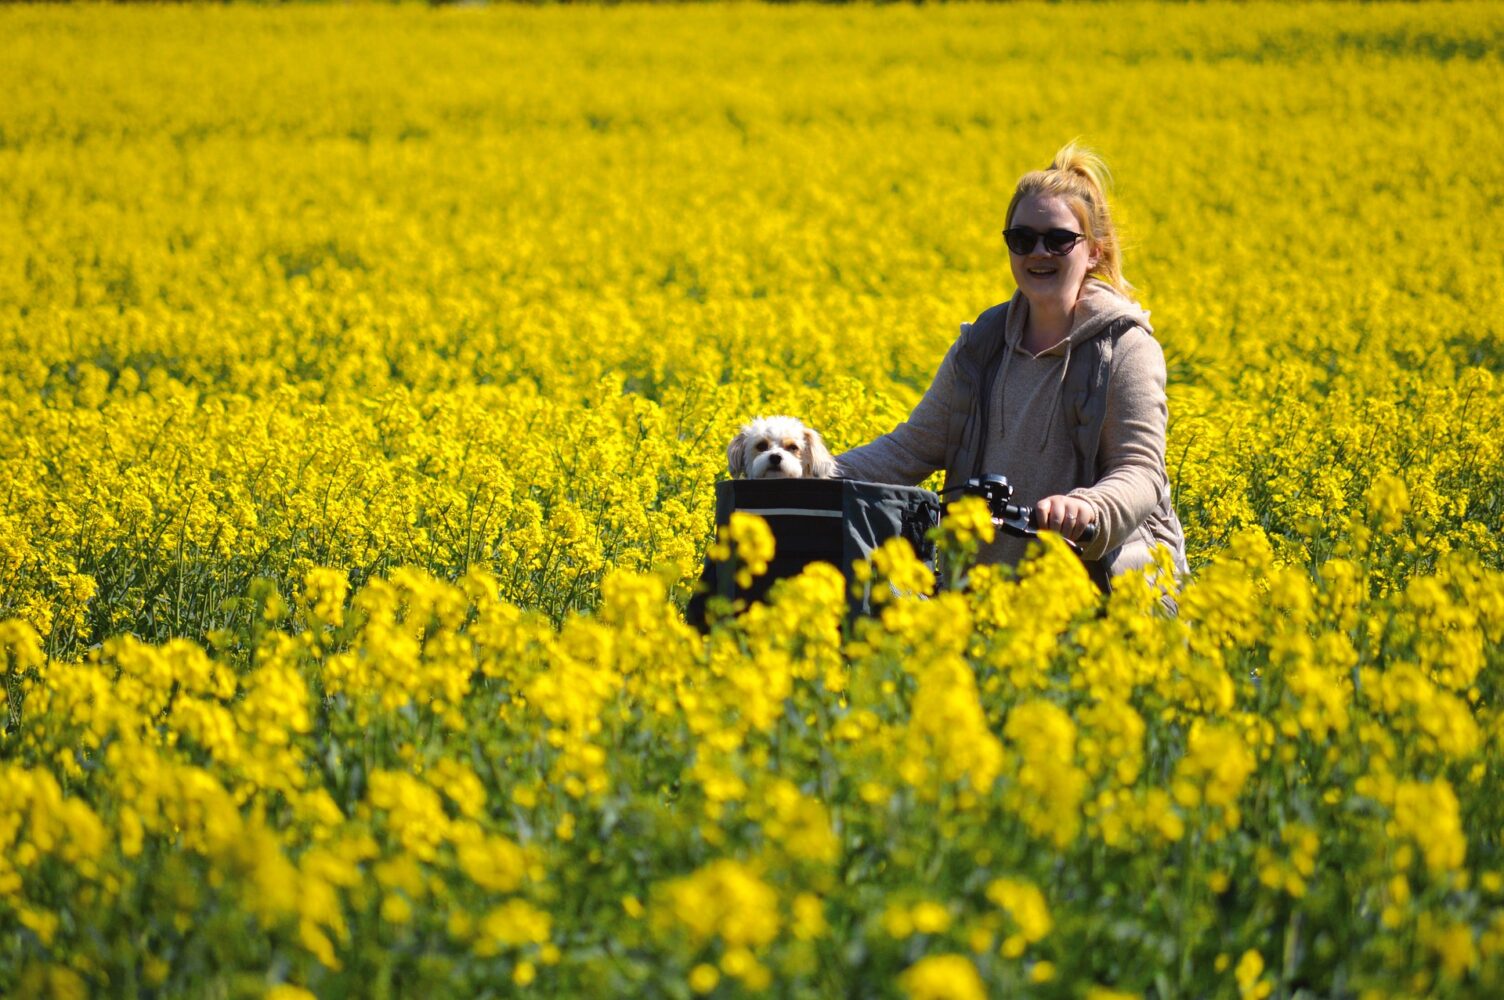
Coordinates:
x,y
1057,242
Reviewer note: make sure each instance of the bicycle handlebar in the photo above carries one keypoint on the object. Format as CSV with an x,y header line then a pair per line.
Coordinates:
x,y
1016,519
1023,520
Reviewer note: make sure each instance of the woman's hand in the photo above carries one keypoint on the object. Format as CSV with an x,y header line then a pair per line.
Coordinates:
x,y
1065,515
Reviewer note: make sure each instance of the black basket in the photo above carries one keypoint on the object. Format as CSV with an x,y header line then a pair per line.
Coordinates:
x,y
836,521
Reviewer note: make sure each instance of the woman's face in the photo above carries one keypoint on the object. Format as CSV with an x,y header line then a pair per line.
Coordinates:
x,y
1043,277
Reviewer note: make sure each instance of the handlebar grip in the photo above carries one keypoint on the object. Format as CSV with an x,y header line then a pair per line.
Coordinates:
x,y
1088,533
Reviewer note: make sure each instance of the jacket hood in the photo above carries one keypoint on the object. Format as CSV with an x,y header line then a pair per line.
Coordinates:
x,y
1099,306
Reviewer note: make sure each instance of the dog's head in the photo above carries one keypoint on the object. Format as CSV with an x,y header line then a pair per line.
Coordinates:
x,y
779,448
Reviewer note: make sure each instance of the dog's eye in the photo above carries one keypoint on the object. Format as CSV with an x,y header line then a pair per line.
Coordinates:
x,y
762,446
791,446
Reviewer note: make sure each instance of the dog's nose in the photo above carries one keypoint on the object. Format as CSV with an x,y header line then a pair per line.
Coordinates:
x,y
775,460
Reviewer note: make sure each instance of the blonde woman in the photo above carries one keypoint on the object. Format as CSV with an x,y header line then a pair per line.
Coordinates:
x,y
1061,389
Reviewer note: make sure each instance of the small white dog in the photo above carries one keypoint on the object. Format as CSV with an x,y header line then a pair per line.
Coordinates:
x,y
779,448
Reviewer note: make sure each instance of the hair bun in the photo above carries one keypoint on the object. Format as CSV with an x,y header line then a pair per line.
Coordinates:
x,y
1077,159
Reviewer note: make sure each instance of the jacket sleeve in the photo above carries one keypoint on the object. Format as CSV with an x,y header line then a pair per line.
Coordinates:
x,y
912,451
1132,455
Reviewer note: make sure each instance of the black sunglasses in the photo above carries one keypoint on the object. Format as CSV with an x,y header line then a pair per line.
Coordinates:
x,y
1057,242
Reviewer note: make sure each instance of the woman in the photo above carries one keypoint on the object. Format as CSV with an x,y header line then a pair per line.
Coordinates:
x,y
1061,389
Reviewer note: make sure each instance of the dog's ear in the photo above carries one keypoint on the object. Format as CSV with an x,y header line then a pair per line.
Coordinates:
x,y
821,464
736,453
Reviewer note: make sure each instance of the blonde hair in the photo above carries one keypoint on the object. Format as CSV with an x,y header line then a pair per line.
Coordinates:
x,y
1081,178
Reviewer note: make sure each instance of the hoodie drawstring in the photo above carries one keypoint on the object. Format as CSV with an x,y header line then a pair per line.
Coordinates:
x,y
1049,422
1002,380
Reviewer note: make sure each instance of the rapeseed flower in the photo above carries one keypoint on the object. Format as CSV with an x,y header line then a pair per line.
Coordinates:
x,y
352,498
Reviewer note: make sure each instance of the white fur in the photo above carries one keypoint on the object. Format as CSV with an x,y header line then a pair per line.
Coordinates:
x,y
779,448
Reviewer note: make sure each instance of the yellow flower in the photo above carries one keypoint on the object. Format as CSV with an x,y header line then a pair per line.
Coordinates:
x,y
395,909
1104,993
929,917
942,977
1049,787
1452,943
1216,764
491,862
969,521
898,571
350,502
798,824
809,916
724,900
324,592
1428,814
897,921
703,978
1248,972
286,991
512,924
749,540
1388,502
1025,906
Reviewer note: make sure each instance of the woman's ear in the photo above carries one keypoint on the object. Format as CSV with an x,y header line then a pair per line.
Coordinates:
x,y
821,464
736,454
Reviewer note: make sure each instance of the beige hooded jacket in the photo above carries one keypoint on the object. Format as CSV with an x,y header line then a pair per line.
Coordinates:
x,y
1030,441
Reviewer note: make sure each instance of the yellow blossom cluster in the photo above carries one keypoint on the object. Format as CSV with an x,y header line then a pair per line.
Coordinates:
x,y
365,376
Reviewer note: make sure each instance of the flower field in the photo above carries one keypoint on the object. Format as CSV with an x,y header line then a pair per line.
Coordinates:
x,y
365,375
